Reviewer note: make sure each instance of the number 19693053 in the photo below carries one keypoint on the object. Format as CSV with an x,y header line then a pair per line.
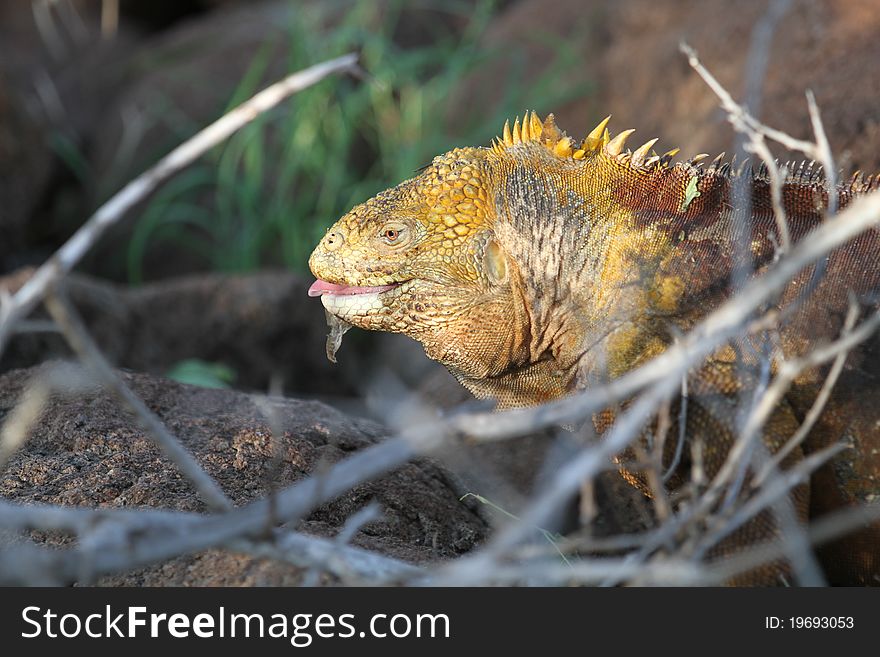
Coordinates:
x,y
809,622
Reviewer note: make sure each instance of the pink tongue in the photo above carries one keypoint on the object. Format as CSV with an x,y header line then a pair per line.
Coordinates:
x,y
320,287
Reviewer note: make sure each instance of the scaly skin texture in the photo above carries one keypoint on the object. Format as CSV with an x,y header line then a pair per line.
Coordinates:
x,y
538,266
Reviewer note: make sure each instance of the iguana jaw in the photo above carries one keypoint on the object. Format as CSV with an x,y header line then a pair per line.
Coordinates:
x,y
367,307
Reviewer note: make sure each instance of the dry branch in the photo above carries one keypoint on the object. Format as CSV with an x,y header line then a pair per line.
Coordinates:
x,y
111,543
66,258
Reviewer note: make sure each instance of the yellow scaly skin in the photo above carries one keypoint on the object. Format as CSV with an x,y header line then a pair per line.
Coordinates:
x,y
539,265
461,267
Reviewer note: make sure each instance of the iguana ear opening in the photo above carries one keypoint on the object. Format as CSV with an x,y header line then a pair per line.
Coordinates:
x,y
495,263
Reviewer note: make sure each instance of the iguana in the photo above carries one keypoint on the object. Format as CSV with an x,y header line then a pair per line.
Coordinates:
x,y
540,265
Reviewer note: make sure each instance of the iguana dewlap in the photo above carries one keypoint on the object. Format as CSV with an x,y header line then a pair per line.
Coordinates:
x,y
540,265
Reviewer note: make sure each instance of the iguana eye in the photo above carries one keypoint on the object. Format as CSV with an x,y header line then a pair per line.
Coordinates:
x,y
393,234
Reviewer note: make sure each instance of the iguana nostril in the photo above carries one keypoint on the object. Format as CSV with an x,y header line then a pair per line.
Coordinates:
x,y
334,239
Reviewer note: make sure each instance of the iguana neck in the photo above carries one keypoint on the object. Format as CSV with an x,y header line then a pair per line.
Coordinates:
x,y
579,273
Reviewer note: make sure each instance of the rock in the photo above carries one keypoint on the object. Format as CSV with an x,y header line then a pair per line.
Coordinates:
x,y
261,325
631,67
85,451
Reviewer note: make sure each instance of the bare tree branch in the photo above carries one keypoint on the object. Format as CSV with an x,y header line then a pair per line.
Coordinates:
x,y
110,541
64,260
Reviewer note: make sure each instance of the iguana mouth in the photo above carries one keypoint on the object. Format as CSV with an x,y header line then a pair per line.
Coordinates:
x,y
320,287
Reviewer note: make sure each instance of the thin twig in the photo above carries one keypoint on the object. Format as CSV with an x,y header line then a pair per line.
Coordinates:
x,y
550,572
78,336
718,326
63,261
818,403
124,530
755,74
738,116
823,153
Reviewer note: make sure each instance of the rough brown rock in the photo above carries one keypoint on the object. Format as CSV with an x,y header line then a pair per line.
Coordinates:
x,y
261,325
632,68
85,451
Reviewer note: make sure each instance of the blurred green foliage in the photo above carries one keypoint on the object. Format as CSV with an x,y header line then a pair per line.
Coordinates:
x,y
202,373
280,182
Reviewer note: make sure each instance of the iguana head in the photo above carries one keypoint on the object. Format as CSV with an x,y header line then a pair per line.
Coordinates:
x,y
379,266
419,259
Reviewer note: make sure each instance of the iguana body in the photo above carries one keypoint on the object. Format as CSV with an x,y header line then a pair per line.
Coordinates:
x,y
539,266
